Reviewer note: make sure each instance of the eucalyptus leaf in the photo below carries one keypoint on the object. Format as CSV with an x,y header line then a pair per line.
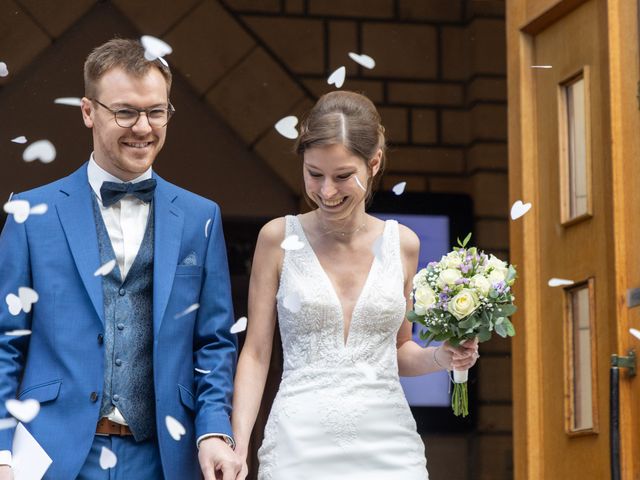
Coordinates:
x,y
511,331
484,334
501,330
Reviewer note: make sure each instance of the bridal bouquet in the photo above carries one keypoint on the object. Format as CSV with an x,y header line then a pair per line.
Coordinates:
x,y
466,294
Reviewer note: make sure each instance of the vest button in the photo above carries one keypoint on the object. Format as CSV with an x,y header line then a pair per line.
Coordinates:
x,y
116,397
93,397
100,339
121,326
118,362
122,292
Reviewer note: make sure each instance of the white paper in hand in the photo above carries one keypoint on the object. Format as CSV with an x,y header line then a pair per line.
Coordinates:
x,y
30,461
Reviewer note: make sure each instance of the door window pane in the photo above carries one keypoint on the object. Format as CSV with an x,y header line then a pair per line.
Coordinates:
x,y
576,151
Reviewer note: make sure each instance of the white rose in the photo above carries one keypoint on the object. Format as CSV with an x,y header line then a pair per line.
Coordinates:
x,y
424,298
463,304
448,277
481,284
497,276
496,264
452,260
420,278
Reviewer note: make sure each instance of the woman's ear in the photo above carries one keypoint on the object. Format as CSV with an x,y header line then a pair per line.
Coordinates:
x,y
374,163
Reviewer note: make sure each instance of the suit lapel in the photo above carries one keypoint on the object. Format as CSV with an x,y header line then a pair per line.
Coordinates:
x,y
75,212
168,224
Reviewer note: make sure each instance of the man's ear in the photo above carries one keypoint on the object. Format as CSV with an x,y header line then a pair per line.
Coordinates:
x,y
374,163
86,107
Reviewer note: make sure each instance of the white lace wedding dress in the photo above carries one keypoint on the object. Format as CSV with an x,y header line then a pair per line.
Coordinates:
x,y
340,412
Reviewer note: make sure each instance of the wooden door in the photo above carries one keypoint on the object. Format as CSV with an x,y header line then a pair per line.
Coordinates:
x,y
569,96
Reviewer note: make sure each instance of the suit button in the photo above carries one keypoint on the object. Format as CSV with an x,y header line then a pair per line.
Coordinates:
x,y
93,397
116,397
100,339
118,362
121,326
122,292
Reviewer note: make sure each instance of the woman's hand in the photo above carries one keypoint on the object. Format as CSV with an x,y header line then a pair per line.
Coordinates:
x,y
462,357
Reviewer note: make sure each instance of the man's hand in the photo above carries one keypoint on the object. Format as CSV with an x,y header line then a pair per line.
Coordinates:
x,y
6,473
217,460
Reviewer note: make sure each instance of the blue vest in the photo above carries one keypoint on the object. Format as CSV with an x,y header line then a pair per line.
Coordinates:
x,y
128,334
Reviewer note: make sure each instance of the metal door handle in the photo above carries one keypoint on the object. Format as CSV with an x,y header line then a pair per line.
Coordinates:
x,y
617,362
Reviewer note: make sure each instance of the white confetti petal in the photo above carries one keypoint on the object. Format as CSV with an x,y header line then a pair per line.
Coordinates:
x,y
8,423
188,310
176,429
239,326
28,296
635,332
398,188
24,411
542,66
558,282
71,101
20,210
108,459
42,150
337,77
365,60
206,228
4,71
359,183
292,242
376,248
14,304
518,209
154,47
105,269
204,372
292,302
20,139
287,127
39,209
17,333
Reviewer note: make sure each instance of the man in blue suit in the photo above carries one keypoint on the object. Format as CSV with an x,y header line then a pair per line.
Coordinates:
x,y
138,357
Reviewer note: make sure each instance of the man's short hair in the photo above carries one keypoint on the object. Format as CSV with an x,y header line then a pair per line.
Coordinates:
x,y
121,53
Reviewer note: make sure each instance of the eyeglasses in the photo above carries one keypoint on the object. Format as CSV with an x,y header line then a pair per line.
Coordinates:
x,y
129,116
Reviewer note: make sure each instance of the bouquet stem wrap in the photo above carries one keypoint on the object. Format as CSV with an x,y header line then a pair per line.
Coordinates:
x,y
460,397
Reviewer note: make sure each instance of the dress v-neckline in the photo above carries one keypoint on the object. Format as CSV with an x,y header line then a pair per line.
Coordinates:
x,y
343,341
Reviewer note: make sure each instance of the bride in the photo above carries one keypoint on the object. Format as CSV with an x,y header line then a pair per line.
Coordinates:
x,y
340,290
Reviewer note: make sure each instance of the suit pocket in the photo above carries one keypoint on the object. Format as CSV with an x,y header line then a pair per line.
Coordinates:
x,y
186,397
43,392
188,270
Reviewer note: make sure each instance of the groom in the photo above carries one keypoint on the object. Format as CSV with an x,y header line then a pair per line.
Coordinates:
x,y
116,357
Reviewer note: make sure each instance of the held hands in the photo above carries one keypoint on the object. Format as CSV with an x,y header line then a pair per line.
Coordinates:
x,y
462,357
217,460
6,473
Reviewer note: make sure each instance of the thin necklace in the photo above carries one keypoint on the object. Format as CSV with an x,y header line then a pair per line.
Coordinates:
x,y
341,232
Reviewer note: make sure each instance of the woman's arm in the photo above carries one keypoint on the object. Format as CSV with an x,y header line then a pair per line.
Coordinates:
x,y
413,359
253,365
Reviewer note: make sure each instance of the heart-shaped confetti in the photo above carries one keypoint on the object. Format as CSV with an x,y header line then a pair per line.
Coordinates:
x,y
105,269
376,248
292,302
71,101
108,459
28,296
39,209
239,326
20,139
292,242
518,209
559,282
365,60
17,333
20,210
4,71
42,150
14,304
398,188
176,429
8,423
204,372
635,332
206,228
154,47
337,77
188,310
24,411
287,127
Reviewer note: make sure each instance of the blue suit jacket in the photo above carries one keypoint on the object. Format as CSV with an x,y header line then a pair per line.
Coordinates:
x,y
61,363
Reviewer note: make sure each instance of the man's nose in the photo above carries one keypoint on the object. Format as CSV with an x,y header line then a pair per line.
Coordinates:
x,y
142,125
